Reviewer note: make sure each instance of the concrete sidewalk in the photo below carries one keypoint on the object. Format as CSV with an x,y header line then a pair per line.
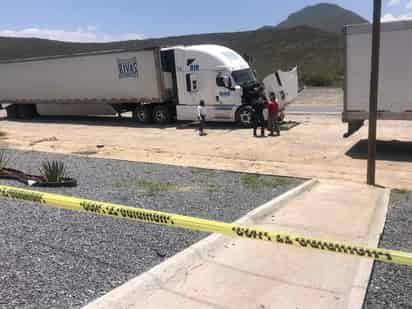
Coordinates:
x,y
239,273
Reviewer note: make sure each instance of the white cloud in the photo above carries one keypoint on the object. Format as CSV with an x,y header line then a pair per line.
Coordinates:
x,y
391,17
409,4
88,34
394,2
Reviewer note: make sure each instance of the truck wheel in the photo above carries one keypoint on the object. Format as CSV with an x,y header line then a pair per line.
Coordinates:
x,y
244,116
161,115
143,114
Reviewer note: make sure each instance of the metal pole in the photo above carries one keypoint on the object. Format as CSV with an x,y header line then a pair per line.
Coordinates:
x,y
373,98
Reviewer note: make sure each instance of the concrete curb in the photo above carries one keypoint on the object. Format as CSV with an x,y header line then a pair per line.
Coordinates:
x,y
357,294
127,294
278,202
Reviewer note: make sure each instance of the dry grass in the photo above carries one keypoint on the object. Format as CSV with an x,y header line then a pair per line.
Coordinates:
x,y
253,181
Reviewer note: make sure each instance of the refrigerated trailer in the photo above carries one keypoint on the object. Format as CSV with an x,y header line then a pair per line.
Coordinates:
x,y
157,84
395,76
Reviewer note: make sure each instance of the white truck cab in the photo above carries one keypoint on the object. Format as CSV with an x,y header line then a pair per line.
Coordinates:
x,y
220,76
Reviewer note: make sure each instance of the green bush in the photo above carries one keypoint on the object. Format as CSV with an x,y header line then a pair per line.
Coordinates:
x,y
53,171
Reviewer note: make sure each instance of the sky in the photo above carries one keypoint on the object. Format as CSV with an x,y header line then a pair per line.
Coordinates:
x,y
108,20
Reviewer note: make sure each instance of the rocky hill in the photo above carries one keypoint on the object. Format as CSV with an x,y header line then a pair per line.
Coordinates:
x,y
323,16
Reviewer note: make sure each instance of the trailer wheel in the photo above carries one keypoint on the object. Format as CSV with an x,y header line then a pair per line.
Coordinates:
x,y
161,115
143,114
244,116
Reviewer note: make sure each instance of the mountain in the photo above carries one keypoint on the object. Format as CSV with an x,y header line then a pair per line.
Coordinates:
x,y
315,51
323,16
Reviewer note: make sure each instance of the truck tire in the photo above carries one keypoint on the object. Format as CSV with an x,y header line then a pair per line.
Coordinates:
x,y
143,114
244,116
162,114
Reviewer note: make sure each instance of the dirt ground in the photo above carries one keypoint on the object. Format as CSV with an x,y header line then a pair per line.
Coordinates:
x,y
320,96
314,148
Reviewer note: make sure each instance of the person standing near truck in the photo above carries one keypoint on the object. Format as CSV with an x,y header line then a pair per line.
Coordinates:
x,y
201,115
273,114
258,118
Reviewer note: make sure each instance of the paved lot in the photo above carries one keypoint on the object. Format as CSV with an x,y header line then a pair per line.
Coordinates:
x,y
54,258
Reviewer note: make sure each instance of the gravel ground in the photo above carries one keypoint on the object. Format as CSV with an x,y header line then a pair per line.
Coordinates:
x,y
54,258
391,285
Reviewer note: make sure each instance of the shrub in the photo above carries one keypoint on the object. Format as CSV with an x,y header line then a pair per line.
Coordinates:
x,y
53,171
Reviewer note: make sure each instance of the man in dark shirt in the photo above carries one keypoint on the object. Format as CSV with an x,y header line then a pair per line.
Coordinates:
x,y
258,118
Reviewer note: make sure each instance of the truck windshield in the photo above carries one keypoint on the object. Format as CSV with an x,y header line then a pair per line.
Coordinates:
x,y
244,77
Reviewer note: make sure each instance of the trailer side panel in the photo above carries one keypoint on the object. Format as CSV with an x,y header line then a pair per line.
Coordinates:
x,y
94,78
395,91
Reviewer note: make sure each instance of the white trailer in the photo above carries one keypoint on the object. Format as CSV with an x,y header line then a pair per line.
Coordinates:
x,y
395,76
154,84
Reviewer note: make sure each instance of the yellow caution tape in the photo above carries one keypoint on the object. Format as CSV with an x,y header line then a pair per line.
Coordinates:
x,y
192,223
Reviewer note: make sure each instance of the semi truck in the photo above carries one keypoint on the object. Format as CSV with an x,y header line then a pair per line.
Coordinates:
x,y
395,76
156,85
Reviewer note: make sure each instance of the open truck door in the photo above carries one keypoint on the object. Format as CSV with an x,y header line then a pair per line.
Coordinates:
x,y
284,84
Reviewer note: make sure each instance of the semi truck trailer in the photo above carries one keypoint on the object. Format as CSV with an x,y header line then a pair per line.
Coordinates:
x,y
395,76
156,85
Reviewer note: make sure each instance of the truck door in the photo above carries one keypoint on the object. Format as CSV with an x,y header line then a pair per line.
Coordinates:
x,y
227,97
223,85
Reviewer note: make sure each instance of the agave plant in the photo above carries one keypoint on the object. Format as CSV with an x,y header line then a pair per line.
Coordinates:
x,y
53,171
4,160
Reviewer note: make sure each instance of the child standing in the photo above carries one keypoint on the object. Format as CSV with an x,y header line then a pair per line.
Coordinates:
x,y
201,115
